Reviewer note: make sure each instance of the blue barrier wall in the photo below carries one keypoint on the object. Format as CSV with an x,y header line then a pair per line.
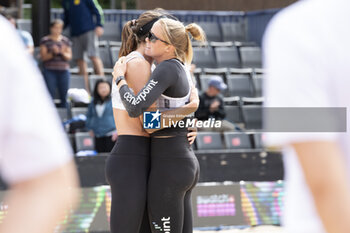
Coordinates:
x,y
254,22
184,16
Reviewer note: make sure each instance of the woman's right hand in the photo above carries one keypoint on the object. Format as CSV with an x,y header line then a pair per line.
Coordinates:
x,y
119,68
191,135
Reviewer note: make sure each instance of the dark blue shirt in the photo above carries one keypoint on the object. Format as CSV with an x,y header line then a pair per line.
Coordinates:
x,y
82,15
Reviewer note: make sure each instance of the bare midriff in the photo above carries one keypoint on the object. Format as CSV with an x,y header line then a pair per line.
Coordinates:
x,y
127,125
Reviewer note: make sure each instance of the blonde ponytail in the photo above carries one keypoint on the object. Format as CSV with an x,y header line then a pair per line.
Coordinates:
x,y
196,32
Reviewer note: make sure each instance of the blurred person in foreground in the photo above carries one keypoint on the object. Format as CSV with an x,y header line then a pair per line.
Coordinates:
x,y
211,105
307,56
35,158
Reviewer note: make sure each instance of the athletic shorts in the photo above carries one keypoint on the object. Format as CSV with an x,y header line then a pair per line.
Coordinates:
x,y
86,42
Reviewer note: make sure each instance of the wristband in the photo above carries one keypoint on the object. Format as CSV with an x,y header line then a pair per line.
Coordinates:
x,y
119,78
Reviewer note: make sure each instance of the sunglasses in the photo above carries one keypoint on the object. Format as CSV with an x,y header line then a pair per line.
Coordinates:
x,y
153,38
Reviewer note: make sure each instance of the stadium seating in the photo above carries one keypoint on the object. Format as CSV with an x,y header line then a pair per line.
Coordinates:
x,y
84,141
203,82
63,114
252,116
212,30
239,84
233,31
259,72
79,110
235,140
71,138
215,44
258,81
112,32
251,57
115,54
216,71
209,140
76,81
204,57
258,140
106,58
258,86
232,100
227,57
233,114
252,100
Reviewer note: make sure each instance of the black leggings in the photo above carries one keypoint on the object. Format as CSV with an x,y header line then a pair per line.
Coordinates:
x,y
127,171
174,173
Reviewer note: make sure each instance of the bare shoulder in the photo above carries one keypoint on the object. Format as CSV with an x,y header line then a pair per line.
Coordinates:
x,y
137,73
139,63
138,68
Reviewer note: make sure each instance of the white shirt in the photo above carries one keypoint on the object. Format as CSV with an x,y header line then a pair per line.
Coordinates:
x,y
307,57
32,140
100,108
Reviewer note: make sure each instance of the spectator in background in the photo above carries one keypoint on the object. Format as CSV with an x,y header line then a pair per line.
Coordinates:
x,y
85,18
100,117
35,157
55,52
211,104
25,36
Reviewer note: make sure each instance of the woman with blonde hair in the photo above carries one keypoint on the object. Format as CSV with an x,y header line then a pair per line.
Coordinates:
x,y
128,166
174,167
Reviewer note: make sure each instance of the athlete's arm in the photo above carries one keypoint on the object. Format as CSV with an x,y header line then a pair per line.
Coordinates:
x,y
162,78
187,109
324,169
180,113
137,74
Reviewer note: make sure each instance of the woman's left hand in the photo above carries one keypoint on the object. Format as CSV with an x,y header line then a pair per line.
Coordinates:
x,y
194,98
119,68
191,136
